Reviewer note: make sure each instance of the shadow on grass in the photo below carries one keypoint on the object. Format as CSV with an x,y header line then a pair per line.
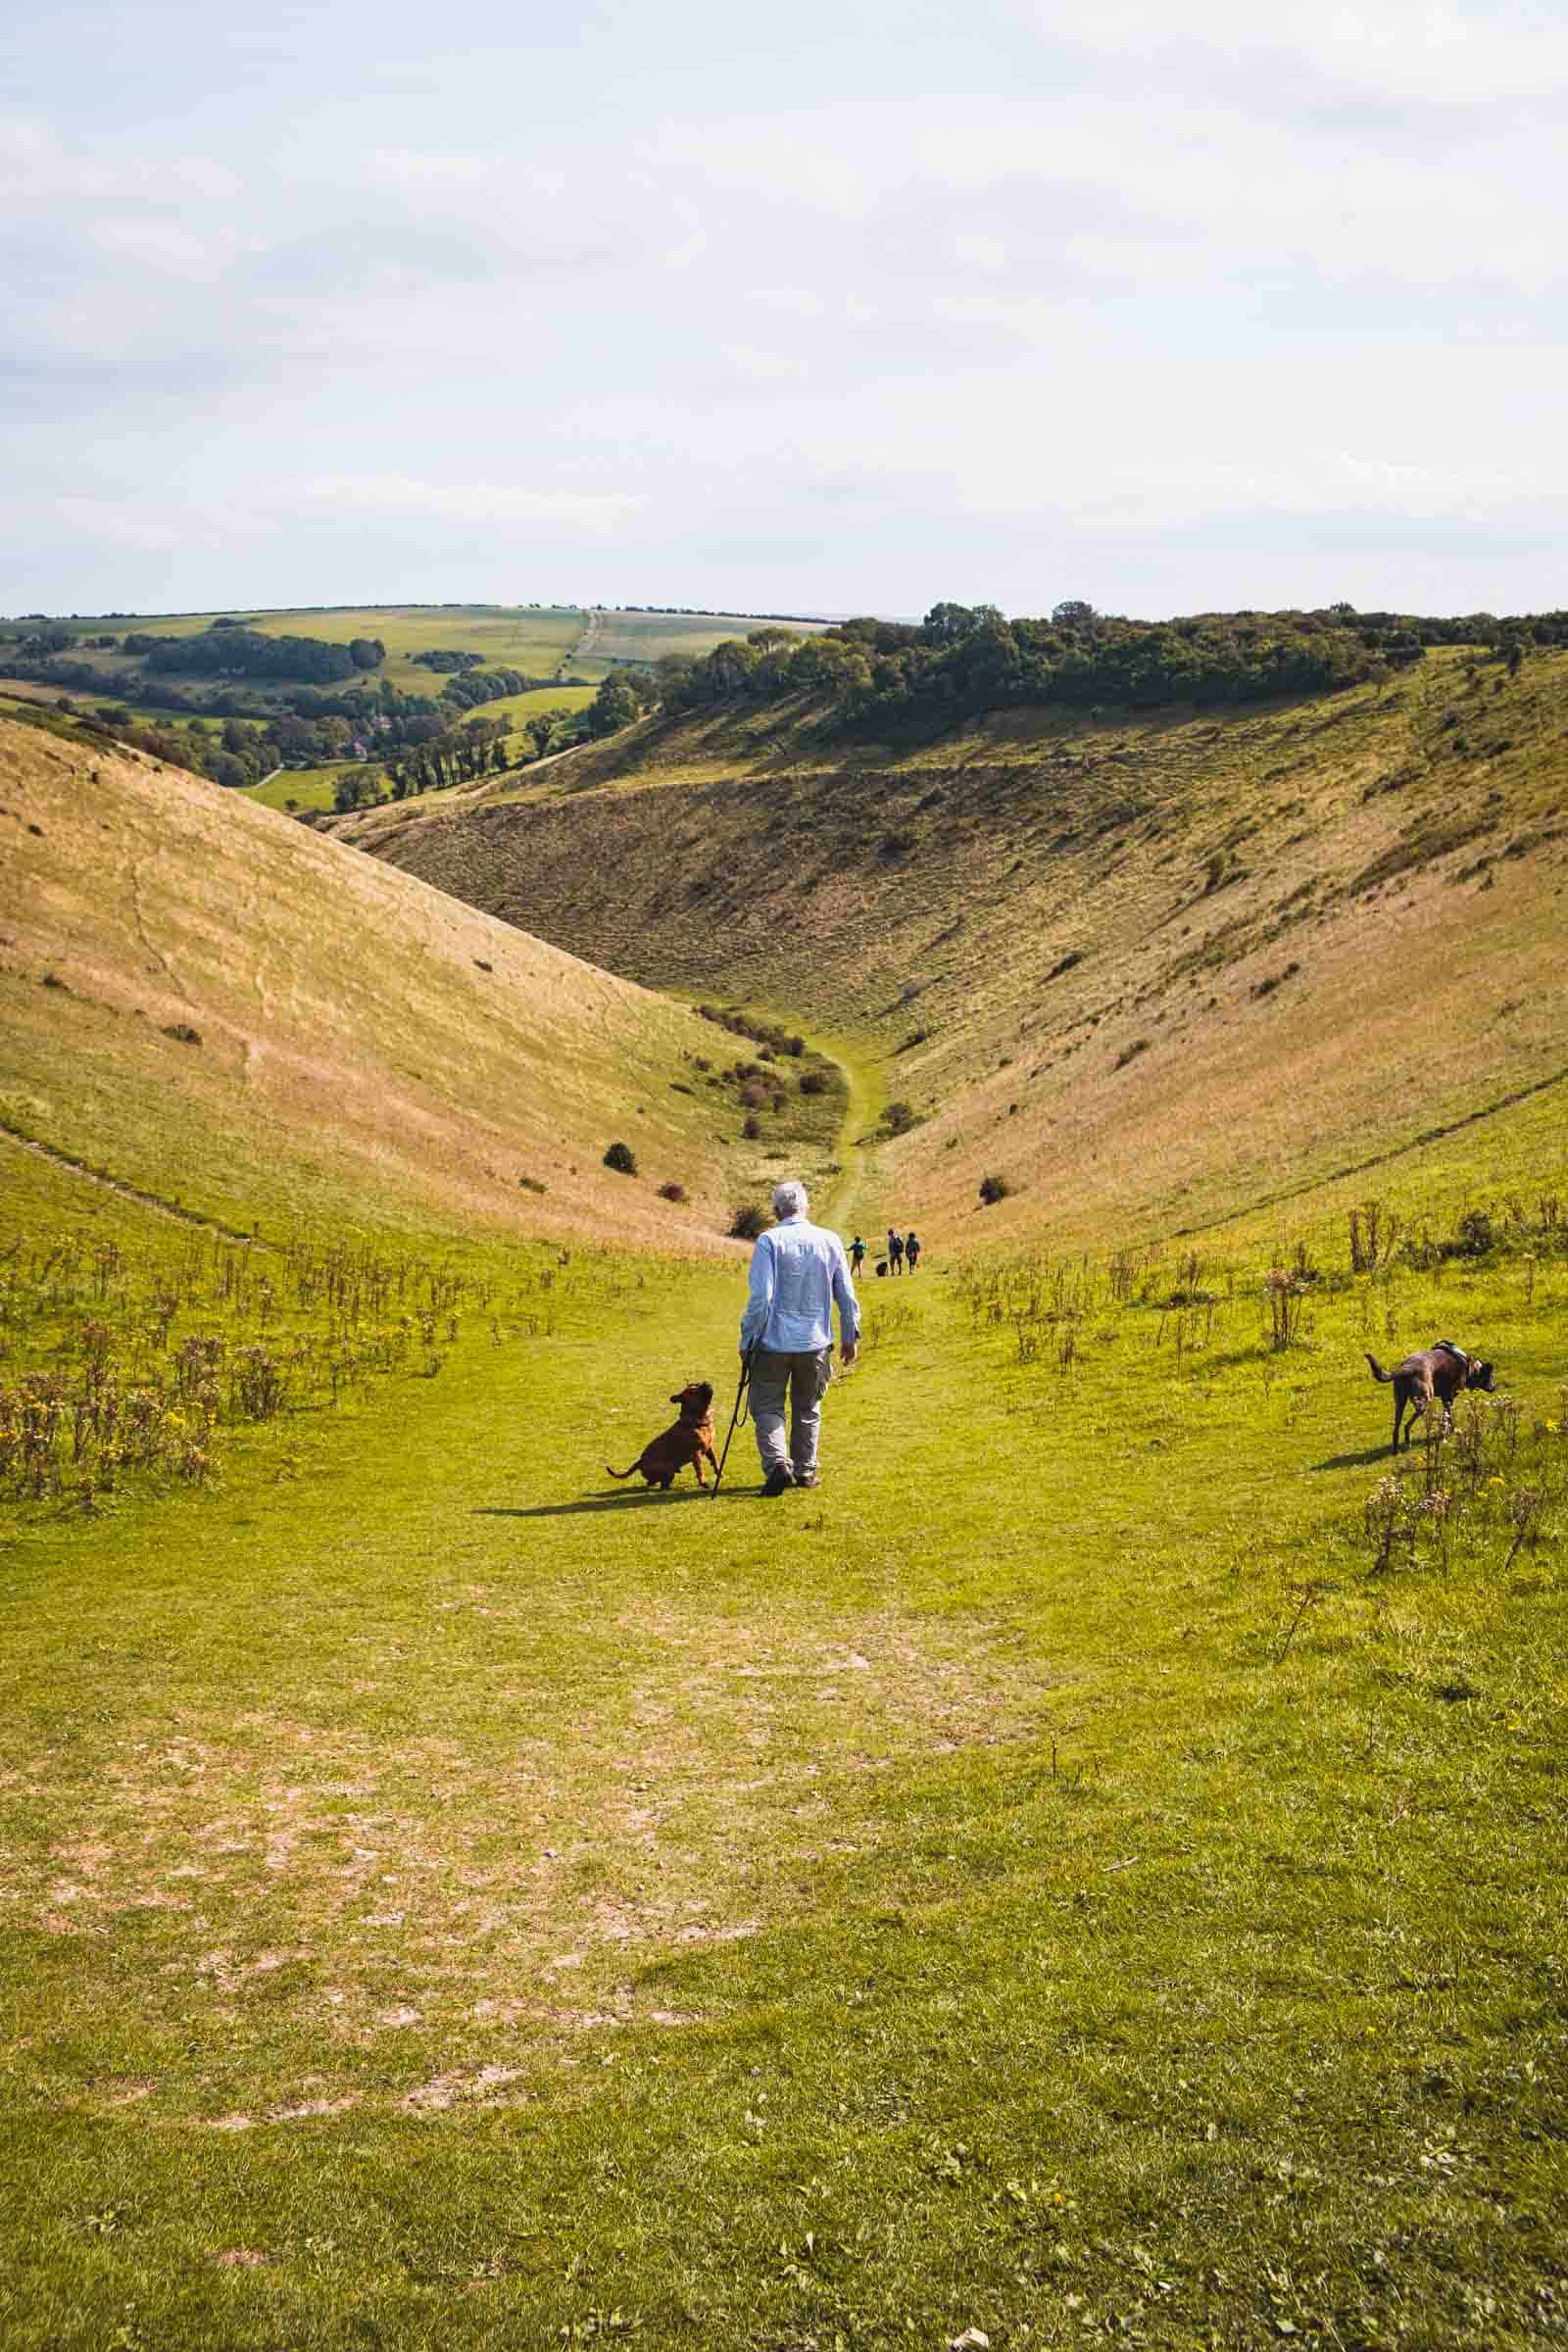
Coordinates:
x,y
647,1497
1352,1461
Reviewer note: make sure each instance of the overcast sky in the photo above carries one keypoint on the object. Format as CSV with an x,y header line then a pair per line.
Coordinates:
x,y
845,306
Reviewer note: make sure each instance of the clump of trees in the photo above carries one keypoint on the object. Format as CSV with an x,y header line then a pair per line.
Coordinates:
x,y
234,651
624,695
965,659
485,686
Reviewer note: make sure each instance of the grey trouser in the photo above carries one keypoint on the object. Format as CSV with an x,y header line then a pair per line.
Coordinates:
x,y
804,1378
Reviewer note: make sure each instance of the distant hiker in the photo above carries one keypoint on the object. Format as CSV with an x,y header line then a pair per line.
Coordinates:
x,y
911,1249
797,1271
857,1254
896,1251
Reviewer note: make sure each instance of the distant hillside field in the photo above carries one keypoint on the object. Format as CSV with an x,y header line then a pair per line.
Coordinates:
x,y
219,1009
540,641
315,788
1147,971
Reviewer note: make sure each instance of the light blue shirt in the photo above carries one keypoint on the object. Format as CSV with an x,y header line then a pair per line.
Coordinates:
x,y
797,1270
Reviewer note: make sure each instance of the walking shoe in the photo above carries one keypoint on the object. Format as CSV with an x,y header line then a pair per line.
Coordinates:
x,y
777,1479
805,1478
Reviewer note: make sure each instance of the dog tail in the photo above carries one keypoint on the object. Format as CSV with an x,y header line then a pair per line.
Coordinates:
x,y
609,1473
1378,1372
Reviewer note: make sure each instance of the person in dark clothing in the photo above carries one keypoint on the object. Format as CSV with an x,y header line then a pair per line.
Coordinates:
x,y
857,1254
911,1249
896,1251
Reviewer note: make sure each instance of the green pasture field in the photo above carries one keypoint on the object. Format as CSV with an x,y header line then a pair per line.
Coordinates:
x,y
27,690
538,640
535,640
1089,1872
520,708
306,787
315,787
644,636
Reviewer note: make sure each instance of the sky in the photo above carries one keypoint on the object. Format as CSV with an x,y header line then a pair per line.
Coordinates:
x,y
848,307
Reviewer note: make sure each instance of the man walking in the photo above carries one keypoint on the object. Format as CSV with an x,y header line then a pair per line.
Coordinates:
x,y
896,1251
911,1249
797,1271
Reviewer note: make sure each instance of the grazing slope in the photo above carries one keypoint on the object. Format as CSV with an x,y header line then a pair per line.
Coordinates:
x,y
357,1046
1151,972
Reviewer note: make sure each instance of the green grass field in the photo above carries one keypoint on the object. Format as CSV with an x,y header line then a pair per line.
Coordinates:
x,y
519,707
538,640
644,636
304,787
1090,1870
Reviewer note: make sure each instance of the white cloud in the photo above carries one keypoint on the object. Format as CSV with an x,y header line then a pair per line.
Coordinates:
x,y
1404,49
1029,272
398,496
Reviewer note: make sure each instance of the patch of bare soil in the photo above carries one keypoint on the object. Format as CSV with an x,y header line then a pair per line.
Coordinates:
x,y
485,1903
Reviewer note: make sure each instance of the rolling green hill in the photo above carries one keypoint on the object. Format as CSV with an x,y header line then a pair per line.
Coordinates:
x,y
563,641
1150,972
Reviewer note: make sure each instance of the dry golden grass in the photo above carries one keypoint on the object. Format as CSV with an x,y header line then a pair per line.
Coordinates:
x,y
367,1048
1151,972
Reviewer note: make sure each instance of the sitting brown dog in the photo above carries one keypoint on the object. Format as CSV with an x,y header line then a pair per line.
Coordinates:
x,y
684,1441
1432,1376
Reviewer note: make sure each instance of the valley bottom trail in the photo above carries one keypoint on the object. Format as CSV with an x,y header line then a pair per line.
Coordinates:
x,y
451,1703
452,1897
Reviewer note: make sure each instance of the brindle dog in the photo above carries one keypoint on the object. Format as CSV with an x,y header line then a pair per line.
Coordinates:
x,y
1432,1378
685,1441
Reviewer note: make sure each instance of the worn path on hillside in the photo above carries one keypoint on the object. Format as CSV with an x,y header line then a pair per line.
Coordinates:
x,y
123,1191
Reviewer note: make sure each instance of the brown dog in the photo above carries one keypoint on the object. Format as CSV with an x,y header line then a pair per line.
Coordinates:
x,y
684,1441
1432,1376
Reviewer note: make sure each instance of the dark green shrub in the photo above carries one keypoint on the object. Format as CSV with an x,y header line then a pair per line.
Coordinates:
x,y
993,1189
672,1191
622,1159
746,1220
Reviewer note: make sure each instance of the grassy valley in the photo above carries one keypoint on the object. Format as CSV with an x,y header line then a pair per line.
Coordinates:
x,y
1150,971
1087,1872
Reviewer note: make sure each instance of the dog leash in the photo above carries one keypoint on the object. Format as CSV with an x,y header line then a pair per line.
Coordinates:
x,y
746,1374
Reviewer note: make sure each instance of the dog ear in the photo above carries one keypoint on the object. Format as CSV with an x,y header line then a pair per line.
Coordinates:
x,y
679,1394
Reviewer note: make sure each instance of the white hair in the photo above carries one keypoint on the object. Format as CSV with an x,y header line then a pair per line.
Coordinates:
x,y
789,1199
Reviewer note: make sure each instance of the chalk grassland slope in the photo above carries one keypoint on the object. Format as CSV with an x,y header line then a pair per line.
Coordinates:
x,y
364,1048
1150,972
